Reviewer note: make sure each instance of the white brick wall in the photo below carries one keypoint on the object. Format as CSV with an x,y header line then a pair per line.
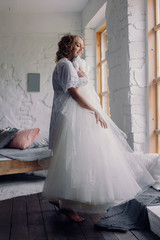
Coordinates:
x,y
28,44
138,76
27,48
93,16
90,53
117,56
126,27
89,12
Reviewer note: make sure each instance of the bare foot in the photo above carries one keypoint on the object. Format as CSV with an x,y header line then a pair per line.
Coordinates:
x,y
56,203
72,215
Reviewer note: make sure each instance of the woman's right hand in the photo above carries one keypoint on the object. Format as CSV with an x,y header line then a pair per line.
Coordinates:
x,y
100,119
83,102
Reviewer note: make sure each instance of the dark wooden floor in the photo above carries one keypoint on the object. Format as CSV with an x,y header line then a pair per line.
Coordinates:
x,y
32,217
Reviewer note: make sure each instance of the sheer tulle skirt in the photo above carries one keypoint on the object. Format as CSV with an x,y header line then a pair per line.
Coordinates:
x,y
92,168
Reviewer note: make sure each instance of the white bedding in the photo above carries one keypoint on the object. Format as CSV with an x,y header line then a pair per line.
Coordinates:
x,y
25,155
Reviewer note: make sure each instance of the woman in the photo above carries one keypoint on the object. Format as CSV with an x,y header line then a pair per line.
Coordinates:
x,y
93,167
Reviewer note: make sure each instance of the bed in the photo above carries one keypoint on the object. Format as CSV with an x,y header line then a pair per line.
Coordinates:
x,y
23,151
14,161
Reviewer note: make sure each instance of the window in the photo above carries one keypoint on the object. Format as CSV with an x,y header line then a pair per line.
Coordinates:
x,y
102,68
154,73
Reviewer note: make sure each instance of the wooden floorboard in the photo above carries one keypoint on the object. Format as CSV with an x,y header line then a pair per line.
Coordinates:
x,y
36,229
57,225
34,218
87,227
145,235
125,236
19,226
5,219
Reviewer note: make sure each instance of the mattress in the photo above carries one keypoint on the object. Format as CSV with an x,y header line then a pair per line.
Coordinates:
x,y
32,154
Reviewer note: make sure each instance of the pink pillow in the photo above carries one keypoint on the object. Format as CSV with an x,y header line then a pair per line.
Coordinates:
x,y
24,138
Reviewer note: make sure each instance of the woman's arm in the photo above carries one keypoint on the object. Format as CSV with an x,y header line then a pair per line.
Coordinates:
x,y
77,96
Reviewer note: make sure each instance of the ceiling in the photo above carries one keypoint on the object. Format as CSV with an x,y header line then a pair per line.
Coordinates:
x,y
42,5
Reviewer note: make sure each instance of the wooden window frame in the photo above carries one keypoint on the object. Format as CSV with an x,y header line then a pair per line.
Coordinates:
x,y
99,67
154,80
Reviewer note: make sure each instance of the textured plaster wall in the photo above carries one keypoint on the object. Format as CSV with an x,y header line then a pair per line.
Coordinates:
x,y
91,9
92,15
137,22
28,43
126,28
90,54
118,60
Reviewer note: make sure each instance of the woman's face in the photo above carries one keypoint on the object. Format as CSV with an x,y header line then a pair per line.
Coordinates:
x,y
77,49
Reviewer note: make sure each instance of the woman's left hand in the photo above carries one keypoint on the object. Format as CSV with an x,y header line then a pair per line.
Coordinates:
x,y
81,73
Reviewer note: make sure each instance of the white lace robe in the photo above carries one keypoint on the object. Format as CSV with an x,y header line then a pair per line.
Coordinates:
x,y
64,77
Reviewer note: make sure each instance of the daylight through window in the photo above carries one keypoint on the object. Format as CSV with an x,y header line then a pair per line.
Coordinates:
x,y
102,69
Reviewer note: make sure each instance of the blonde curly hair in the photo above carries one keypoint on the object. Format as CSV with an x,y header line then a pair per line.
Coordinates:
x,y
65,46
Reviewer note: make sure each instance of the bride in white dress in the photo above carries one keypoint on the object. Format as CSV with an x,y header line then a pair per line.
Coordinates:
x,y
93,167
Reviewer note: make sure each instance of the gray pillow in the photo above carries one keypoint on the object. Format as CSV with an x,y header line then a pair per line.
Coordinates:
x,y
40,141
6,135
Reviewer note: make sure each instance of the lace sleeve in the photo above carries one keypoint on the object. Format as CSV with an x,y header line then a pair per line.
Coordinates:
x,y
69,77
83,81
